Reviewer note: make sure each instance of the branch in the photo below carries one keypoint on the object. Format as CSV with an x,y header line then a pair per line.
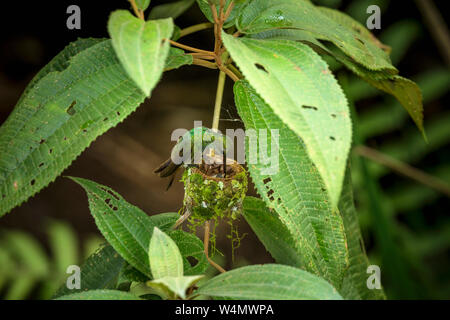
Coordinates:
x,y
404,169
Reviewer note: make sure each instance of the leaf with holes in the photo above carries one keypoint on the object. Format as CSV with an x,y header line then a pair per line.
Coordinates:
x,y
141,46
300,89
263,15
404,90
192,251
295,191
269,282
100,271
272,232
126,227
164,256
59,116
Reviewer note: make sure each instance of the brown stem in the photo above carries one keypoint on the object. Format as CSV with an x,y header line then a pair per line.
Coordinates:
x,y
404,169
137,12
436,25
228,72
203,63
185,47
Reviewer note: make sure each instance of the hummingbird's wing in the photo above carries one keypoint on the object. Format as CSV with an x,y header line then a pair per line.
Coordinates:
x,y
166,168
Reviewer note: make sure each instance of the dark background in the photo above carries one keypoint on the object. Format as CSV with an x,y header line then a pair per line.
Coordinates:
x,y
32,32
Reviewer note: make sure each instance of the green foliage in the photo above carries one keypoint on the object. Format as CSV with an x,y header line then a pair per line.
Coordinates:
x,y
305,218
205,7
143,4
317,111
296,192
127,228
326,25
272,232
192,252
270,281
164,256
100,271
56,119
100,295
170,10
141,47
177,58
26,267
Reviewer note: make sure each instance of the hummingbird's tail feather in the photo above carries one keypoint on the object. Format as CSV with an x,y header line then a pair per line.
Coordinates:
x,y
167,168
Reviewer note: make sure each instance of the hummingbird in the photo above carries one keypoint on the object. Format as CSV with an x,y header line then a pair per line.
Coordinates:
x,y
200,137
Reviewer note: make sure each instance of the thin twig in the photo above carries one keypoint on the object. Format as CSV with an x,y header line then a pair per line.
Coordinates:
x,y
436,25
219,98
404,169
204,63
137,12
206,248
185,47
228,72
195,28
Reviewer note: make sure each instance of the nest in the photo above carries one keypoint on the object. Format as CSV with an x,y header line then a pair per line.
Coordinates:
x,y
211,192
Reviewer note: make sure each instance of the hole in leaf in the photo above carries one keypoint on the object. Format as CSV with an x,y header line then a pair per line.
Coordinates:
x,y
106,119
360,41
42,141
71,110
261,67
111,193
192,261
118,113
333,138
107,200
310,107
267,180
32,182
115,208
357,29
41,164
50,151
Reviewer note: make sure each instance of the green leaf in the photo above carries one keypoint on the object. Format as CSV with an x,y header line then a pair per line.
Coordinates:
x,y
164,256
271,231
28,252
142,4
405,91
354,285
300,89
175,286
170,10
64,246
59,117
99,271
131,274
100,295
126,227
296,191
192,251
177,58
165,221
141,46
269,282
323,24
238,6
